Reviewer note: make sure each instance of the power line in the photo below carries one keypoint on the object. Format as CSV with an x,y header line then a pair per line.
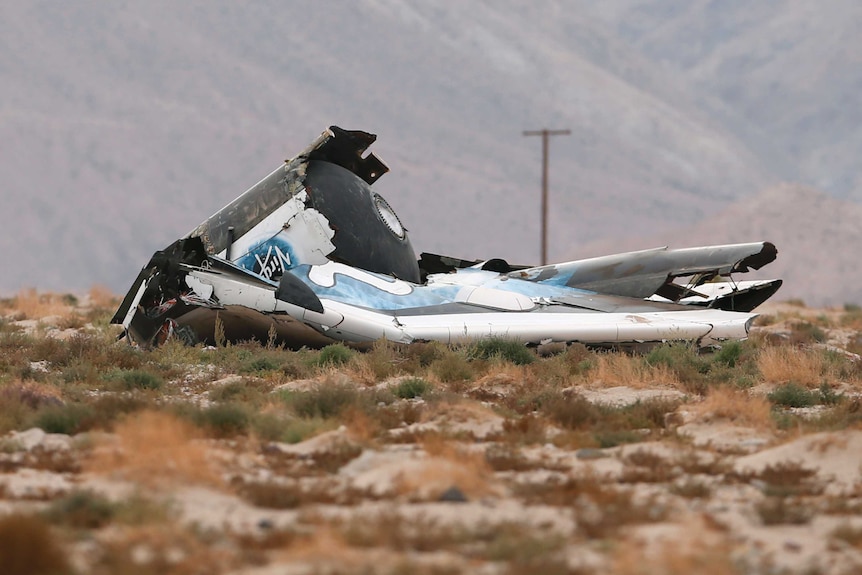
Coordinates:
x,y
545,133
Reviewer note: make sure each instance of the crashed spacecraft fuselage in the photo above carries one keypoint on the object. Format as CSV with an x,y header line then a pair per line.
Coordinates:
x,y
311,254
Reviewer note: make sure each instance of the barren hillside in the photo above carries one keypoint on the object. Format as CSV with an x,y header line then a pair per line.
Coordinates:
x,y
818,238
487,458
123,126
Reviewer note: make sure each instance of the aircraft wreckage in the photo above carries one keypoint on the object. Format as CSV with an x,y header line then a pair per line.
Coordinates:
x,y
311,254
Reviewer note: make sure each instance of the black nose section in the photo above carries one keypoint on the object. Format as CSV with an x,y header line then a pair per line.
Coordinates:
x,y
291,290
368,234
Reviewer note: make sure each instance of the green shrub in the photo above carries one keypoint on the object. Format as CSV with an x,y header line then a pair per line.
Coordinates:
x,y
137,379
324,400
334,355
81,510
828,396
411,388
224,420
452,367
498,347
572,411
245,391
260,364
803,332
69,419
682,359
729,354
793,395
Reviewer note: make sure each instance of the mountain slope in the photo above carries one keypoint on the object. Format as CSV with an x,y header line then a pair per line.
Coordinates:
x,y
124,126
817,237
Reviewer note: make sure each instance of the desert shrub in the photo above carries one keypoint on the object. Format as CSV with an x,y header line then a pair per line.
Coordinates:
x,y
299,429
247,391
609,425
847,413
272,495
72,418
852,316
829,396
324,400
14,410
268,426
793,395
649,413
572,411
554,370
412,387
137,379
733,404
783,511
502,348
81,510
525,550
69,419
110,407
260,364
527,429
691,488
15,352
452,367
396,415
336,456
729,354
789,478
791,364
682,359
78,370
420,355
27,547
225,419
803,332
333,355
381,362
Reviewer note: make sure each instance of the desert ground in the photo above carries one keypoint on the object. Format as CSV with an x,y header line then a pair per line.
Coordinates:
x,y
485,458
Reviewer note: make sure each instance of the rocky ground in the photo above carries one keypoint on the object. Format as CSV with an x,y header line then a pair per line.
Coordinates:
x,y
425,459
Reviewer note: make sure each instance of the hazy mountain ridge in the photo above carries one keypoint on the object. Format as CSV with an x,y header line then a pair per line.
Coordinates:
x,y
124,127
817,238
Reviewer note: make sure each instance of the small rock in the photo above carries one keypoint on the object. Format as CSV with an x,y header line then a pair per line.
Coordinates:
x,y
590,453
453,495
793,546
28,439
265,524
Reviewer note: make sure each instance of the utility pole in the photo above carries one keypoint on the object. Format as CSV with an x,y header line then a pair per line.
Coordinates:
x,y
545,133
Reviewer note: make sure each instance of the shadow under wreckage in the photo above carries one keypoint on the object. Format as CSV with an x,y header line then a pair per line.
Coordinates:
x,y
311,255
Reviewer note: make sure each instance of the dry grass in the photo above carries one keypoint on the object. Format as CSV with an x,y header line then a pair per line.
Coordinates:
x,y
30,304
617,369
327,550
27,546
781,364
101,297
739,406
157,450
492,430
703,554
